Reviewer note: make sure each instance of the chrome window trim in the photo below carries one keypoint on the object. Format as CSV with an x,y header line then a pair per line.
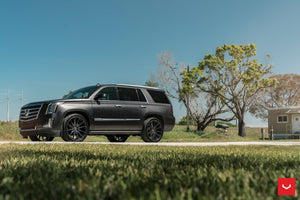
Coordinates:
x,y
116,119
144,96
124,86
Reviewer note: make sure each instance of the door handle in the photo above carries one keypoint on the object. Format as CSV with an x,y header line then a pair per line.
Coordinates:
x,y
118,106
142,106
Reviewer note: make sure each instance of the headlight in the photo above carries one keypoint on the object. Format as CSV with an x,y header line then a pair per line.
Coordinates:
x,y
52,107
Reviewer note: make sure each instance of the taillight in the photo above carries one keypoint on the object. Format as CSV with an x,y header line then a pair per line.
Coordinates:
x,y
172,108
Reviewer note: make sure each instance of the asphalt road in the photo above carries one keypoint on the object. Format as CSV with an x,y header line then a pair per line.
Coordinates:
x,y
271,143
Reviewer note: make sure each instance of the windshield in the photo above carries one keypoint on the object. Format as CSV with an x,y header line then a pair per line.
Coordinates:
x,y
82,93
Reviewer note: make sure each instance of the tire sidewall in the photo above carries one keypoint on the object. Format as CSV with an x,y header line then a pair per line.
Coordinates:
x,y
144,132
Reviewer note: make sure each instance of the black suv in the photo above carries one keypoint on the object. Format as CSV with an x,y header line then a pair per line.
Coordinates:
x,y
116,111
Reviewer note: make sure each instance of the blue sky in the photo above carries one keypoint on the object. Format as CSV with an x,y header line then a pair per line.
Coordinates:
x,y
50,47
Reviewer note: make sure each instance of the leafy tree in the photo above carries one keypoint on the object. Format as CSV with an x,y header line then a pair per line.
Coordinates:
x,y
286,93
152,82
203,107
234,76
70,91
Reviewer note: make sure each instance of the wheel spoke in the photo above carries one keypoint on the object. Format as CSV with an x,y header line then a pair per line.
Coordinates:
x,y
152,125
79,133
80,123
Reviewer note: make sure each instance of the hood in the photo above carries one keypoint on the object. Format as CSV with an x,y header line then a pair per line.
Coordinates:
x,y
53,101
39,103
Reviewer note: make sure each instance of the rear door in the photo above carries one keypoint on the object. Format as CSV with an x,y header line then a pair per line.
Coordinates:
x,y
133,107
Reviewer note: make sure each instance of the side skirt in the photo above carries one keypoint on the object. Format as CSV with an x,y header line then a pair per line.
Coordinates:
x,y
114,133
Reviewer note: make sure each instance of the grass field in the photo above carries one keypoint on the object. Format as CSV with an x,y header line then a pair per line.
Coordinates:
x,y
178,134
84,171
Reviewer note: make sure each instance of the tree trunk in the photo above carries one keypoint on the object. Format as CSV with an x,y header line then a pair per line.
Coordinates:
x,y
198,126
201,126
242,128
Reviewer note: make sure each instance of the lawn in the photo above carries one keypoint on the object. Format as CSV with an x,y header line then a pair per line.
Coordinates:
x,y
10,131
85,171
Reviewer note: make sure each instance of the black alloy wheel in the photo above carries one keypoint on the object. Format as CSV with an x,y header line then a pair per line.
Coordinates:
x,y
36,138
75,128
117,138
153,130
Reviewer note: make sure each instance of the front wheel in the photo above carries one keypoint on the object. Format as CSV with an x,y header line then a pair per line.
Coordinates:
x,y
36,138
75,128
153,130
117,138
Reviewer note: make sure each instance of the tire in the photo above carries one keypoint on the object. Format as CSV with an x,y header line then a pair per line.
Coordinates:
x,y
153,130
75,128
117,138
36,138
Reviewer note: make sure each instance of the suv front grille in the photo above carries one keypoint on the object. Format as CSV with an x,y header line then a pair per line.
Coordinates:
x,y
30,112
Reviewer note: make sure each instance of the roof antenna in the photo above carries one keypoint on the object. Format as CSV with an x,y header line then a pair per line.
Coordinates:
x,y
98,84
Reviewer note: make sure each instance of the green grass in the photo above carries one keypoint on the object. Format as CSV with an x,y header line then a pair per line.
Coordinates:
x,y
10,131
84,171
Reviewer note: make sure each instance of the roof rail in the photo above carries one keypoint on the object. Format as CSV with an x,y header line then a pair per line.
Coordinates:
x,y
142,86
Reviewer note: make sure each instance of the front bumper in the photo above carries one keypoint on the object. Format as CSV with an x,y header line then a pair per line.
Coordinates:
x,y
43,124
49,132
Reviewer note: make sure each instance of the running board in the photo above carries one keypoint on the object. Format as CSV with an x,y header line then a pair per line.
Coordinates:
x,y
114,132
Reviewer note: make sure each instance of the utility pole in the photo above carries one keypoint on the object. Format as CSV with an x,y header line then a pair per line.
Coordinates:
x,y
188,106
7,106
21,98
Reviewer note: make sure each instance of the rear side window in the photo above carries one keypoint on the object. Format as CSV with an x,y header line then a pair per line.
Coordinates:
x,y
128,94
158,96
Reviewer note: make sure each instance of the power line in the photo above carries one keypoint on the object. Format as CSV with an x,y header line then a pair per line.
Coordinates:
x,y
21,98
10,101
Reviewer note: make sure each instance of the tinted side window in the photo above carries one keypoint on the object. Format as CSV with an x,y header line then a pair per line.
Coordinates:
x,y
128,94
111,93
141,95
158,96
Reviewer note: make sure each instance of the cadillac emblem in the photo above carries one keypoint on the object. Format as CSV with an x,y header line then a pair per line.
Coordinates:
x,y
26,112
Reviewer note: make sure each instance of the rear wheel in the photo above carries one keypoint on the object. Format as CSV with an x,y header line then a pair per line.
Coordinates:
x,y
75,128
40,138
117,138
153,130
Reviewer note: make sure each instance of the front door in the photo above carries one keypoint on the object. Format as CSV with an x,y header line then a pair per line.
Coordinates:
x,y
296,124
106,111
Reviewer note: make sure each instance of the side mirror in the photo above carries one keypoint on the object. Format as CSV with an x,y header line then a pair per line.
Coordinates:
x,y
101,96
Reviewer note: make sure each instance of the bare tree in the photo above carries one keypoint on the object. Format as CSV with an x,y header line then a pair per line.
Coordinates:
x,y
286,93
168,75
203,108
